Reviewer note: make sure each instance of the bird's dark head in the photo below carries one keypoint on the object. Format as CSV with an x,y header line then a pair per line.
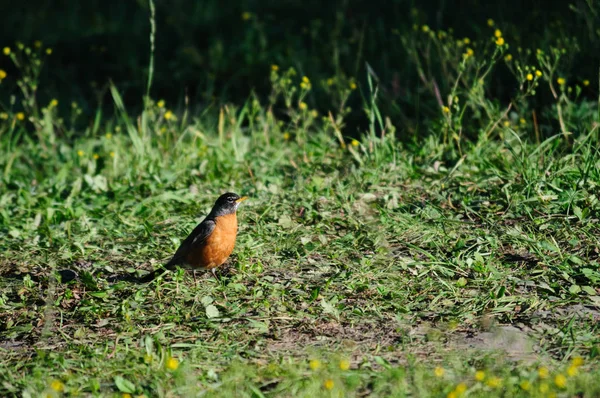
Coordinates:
x,y
227,204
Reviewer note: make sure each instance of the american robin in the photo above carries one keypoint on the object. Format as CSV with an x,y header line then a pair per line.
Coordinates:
x,y
211,242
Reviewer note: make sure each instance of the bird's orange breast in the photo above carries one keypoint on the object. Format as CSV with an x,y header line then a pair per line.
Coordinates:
x,y
218,246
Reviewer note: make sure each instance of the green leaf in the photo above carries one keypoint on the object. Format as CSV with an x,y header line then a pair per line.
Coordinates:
x,y
124,385
574,289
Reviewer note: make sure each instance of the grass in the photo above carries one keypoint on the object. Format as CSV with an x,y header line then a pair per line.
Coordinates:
x,y
462,262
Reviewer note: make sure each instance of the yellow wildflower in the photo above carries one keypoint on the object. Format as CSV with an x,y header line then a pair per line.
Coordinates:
x,y
20,116
246,15
538,73
48,51
452,394
460,388
525,385
305,79
544,388
468,53
125,395
108,136
543,372
479,375
577,361
112,154
57,386
572,370
522,121
314,364
506,123
172,363
560,380
274,68
490,22
54,102
355,143
344,364
3,115
302,105
494,382
286,136
96,156
508,57
2,74
169,115
6,50
561,81
466,40
445,109
500,41
314,113
328,384
425,28
80,153
438,371
330,82
586,82
529,76
498,33
161,103
352,86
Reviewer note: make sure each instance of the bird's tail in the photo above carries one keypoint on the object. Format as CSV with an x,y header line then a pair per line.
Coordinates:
x,y
152,275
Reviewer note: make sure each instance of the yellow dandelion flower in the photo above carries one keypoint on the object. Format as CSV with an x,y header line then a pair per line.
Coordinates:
x,y
2,74
274,68
425,28
344,364
538,73
286,136
352,86
561,81
508,57
525,385
460,388
586,82
305,79
172,363
54,102
169,115
112,154
479,375
3,115
529,76
6,50
314,364
108,136
438,371
328,384
466,40
543,372
246,15
544,388
314,113
48,51
498,33
96,156
355,143
162,130
20,116
490,22
522,121
330,82
500,41
577,361
494,382
572,370
469,53
452,394
80,153
160,104
302,106
506,123
445,109
57,386
125,395
560,381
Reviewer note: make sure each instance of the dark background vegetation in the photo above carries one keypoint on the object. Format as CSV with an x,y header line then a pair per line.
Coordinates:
x,y
207,51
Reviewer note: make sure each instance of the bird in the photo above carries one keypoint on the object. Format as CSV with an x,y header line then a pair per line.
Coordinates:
x,y
211,243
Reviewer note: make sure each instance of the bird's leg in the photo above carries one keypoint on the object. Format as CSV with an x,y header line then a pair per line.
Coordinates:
x,y
194,275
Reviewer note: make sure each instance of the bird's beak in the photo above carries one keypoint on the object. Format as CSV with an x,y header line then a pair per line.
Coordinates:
x,y
241,199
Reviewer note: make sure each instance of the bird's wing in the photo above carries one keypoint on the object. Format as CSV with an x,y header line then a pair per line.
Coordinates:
x,y
198,235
